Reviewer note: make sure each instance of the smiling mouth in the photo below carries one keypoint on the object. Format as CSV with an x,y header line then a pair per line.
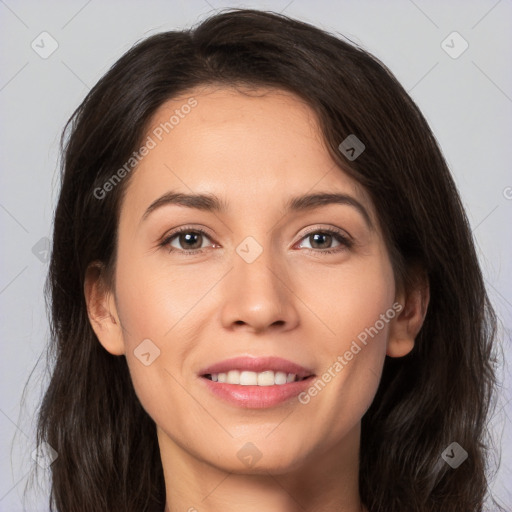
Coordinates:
x,y
249,378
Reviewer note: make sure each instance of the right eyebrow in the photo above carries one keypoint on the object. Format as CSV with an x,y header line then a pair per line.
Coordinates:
x,y
206,202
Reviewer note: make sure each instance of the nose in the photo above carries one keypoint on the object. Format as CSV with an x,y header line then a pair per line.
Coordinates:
x,y
258,295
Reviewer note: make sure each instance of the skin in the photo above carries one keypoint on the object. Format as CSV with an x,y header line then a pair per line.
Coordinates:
x,y
254,150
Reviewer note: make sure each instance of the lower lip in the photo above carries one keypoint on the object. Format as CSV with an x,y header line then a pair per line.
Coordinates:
x,y
257,397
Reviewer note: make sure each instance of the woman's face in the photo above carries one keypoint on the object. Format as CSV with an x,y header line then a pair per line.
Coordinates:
x,y
273,275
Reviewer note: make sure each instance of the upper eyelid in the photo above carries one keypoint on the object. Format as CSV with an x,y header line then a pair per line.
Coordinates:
x,y
338,231
185,229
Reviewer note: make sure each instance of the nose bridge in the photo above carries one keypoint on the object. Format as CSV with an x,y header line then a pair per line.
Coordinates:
x,y
256,267
256,292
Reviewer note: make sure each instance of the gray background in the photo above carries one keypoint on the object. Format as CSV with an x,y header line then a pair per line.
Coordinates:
x,y
467,101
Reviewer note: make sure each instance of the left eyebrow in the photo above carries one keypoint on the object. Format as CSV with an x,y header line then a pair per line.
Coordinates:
x,y
312,201
212,203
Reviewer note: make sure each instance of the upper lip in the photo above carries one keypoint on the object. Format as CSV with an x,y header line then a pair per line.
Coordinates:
x,y
257,364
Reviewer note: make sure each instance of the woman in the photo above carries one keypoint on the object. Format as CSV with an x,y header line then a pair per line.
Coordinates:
x,y
257,301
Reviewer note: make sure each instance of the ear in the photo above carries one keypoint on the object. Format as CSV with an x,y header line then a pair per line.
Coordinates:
x,y
407,324
102,310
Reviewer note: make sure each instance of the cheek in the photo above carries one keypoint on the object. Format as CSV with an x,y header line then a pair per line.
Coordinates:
x,y
358,312
343,392
348,298
151,299
363,326
154,306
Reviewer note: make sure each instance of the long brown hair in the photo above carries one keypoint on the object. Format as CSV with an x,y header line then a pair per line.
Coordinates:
x,y
108,456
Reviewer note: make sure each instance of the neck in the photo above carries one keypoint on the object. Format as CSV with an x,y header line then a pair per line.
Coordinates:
x,y
326,480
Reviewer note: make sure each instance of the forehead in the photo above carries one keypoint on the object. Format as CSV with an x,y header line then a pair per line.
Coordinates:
x,y
248,146
272,121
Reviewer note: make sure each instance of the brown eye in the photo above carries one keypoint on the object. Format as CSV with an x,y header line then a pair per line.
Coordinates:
x,y
190,240
321,241
185,240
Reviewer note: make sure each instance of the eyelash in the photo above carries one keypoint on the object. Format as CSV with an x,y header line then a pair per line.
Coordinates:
x,y
345,242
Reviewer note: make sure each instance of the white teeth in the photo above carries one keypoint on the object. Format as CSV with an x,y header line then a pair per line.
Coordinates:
x,y
233,377
280,378
247,378
266,378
